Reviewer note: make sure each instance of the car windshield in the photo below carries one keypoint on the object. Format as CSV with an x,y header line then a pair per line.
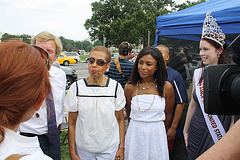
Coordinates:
x,y
70,54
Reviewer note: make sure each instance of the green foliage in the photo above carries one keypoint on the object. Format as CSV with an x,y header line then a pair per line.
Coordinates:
x,y
121,20
98,43
25,38
188,4
68,44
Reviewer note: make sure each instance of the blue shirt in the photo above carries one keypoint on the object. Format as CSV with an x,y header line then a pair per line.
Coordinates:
x,y
126,67
175,78
180,91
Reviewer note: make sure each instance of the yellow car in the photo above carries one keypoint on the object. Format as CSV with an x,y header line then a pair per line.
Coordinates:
x,y
64,60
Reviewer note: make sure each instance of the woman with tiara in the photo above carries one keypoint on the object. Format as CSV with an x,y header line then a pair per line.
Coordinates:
x,y
149,105
199,133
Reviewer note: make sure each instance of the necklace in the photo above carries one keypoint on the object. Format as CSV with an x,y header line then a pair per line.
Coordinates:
x,y
146,87
138,84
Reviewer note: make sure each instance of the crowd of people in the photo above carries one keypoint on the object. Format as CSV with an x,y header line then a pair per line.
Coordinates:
x,y
152,91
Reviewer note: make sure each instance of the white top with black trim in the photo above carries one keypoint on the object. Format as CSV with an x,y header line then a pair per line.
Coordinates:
x,y
96,127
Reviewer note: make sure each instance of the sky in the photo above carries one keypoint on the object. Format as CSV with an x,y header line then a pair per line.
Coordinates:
x,y
60,17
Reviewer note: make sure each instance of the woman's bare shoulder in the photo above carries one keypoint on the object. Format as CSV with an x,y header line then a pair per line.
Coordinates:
x,y
129,87
168,88
168,85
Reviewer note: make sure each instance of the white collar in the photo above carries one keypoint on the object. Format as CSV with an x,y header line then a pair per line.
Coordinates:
x,y
52,71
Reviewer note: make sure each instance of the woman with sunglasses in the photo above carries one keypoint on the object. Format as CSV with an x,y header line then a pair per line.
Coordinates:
x,y
24,84
95,105
150,101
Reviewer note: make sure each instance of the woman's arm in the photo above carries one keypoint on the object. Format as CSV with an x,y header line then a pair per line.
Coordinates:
x,y
128,95
191,109
121,124
170,99
72,117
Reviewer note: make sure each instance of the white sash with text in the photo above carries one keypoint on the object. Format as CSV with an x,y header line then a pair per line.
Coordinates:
x,y
213,123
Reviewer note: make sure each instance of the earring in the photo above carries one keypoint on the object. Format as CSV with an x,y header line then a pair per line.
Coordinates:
x,y
218,55
107,69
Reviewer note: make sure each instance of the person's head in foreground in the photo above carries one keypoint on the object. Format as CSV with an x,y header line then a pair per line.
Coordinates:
x,y
24,83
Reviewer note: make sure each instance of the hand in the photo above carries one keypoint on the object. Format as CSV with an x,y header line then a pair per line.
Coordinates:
x,y
185,134
75,157
171,134
120,154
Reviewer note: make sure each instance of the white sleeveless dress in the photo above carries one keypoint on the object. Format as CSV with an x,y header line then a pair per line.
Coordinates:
x,y
146,137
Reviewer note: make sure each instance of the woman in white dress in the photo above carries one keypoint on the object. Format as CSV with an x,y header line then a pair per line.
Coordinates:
x,y
149,105
24,84
95,105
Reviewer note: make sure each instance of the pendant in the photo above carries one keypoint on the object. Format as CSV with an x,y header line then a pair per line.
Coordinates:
x,y
37,115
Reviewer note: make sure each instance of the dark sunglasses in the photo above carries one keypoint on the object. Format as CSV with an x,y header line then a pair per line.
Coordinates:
x,y
44,54
99,62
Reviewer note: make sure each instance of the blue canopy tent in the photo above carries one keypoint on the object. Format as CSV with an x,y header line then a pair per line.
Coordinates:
x,y
187,24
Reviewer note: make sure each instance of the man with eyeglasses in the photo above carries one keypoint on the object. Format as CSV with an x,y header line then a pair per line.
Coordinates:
x,y
121,68
52,113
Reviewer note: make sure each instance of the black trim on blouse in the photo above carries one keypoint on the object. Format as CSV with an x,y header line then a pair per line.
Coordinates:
x,y
115,95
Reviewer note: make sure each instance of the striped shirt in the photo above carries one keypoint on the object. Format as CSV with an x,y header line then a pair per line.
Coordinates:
x,y
126,67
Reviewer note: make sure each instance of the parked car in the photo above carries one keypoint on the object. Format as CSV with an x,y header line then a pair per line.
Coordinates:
x,y
64,60
73,55
71,76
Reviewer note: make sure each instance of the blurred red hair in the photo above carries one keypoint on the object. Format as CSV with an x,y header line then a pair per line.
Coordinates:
x,y
24,82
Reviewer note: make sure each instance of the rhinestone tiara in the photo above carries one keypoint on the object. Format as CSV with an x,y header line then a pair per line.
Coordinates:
x,y
211,30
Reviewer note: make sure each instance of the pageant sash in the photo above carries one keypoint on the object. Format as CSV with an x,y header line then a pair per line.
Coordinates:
x,y
213,123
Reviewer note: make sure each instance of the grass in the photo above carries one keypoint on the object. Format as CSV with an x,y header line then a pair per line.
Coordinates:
x,y
83,57
64,147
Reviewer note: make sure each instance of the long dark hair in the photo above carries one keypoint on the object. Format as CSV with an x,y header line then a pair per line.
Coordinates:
x,y
160,74
222,58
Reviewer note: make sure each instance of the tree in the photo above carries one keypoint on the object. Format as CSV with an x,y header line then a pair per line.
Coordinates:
x,y
97,43
188,4
87,46
25,38
108,15
133,29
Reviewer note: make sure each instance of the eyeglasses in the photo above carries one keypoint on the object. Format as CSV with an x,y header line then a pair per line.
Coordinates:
x,y
99,62
44,54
